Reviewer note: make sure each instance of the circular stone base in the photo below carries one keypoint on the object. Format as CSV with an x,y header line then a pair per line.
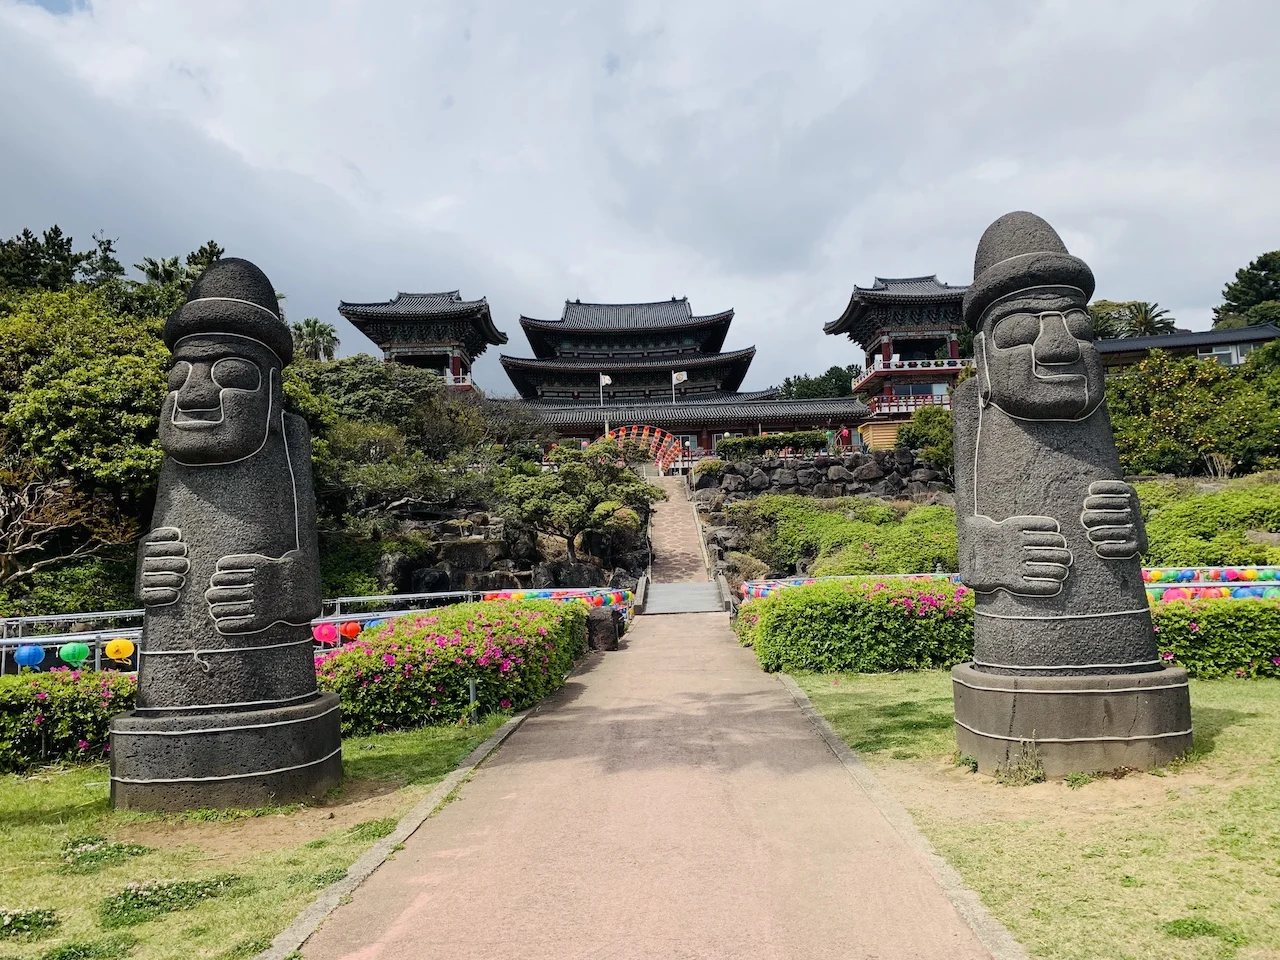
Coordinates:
x,y
225,760
1079,724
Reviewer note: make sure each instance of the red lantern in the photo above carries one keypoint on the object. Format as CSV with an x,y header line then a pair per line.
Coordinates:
x,y
350,629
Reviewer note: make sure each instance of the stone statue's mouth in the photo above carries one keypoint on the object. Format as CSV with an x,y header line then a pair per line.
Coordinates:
x,y
195,419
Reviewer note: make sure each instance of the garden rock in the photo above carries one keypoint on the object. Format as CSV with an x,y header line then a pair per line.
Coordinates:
x,y
784,478
758,480
838,474
732,483
473,554
602,629
868,471
429,580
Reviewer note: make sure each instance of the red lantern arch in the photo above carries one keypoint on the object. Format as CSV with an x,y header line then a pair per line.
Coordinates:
x,y
662,446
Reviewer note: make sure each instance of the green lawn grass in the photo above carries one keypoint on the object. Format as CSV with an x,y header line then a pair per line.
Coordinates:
x,y
1182,863
279,856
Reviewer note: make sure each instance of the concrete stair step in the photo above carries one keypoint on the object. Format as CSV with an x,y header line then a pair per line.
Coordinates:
x,y
697,597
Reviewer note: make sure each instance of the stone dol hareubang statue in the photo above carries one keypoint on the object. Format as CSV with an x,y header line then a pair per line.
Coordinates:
x,y
228,712
1050,534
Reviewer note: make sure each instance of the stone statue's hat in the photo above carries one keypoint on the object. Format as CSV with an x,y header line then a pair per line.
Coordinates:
x,y
1018,251
232,296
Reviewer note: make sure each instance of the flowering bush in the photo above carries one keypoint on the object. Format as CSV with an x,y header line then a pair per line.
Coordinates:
x,y
415,670
59,715
866,625
1220,638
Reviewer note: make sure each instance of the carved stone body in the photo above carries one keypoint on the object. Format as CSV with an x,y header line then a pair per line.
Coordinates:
x,y
1050,534
228,710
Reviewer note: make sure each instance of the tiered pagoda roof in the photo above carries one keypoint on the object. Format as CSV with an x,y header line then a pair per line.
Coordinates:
x,y
899,302
638,346
426,318
740,411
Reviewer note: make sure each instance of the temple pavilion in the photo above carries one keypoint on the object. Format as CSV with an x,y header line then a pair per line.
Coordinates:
x,y
440,332
607,365
909,330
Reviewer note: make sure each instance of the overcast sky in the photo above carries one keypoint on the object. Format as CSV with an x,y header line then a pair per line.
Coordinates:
x,y
764,156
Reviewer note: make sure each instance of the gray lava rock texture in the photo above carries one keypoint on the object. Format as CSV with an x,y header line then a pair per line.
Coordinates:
x,y
228,712
1050,534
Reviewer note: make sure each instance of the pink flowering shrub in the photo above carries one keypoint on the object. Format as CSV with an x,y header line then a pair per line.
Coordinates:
x,y
865,625
59,714
414,670
1220,638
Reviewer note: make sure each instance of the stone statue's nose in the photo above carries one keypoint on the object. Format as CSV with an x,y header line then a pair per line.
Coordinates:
x,y
1055,344
199,392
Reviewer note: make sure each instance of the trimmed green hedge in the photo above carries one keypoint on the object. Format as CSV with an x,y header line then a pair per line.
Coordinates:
x,y
60,715
866,626
740,448
414,671
855,625
1209,529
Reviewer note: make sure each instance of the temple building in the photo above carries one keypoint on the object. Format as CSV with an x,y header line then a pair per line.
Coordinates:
x,y
909,330
607,365
436,331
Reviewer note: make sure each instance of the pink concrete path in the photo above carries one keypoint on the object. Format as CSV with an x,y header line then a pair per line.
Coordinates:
x,y
670,802
677,556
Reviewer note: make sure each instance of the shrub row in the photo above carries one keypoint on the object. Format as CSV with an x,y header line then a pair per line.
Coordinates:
x,y
409,672
866,626
60,715
415,670
740,448
869,626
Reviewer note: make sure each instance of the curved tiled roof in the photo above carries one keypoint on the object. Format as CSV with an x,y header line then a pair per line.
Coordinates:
x,y
922,290
425,306
641,364
724,396
718,411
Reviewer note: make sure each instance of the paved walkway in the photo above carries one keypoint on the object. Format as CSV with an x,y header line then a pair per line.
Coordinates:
x,y
670,802
677,555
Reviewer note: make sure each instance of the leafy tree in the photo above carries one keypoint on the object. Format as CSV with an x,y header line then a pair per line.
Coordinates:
x,y
1110,318
101,266
1254,295
1187,416
1147,320
592,489
162,271
315,340
198,260
930,432
47,262
836,382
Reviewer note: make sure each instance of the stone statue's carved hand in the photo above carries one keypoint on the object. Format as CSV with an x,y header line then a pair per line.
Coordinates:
x,y
162,567
248,592
1027,556
1113,520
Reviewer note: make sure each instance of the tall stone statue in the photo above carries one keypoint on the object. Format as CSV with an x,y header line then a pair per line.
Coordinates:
x,y
228,713
1050,534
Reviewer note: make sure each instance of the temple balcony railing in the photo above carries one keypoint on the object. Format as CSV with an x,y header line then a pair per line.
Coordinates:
x,y
892,404
880,367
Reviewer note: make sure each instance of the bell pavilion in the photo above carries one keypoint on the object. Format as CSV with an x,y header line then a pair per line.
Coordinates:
x,y
436,331
909,330
607,365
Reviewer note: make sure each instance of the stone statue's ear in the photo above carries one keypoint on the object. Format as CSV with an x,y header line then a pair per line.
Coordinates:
x,y
980,361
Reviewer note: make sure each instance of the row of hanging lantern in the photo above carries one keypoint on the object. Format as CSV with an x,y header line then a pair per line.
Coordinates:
x,y
73,654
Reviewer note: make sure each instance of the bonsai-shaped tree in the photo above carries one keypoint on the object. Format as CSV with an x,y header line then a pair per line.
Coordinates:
x,y
594,489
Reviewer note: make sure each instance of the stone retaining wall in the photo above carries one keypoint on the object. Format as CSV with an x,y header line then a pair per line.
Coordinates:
x,y
892,474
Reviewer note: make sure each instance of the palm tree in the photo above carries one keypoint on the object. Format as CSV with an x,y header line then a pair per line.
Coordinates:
x,y
315,340
162,271
1147,320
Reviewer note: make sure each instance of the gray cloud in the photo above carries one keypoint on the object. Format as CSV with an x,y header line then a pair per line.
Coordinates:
x,y
756,155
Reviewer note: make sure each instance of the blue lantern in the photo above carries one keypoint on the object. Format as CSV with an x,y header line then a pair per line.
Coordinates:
x,y
29,655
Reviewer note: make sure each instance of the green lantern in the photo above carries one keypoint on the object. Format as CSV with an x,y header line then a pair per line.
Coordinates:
x,y
73,654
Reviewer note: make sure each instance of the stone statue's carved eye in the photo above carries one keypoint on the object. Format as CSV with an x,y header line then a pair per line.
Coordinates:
x,y
233,373
178,375
1079,325
1016,330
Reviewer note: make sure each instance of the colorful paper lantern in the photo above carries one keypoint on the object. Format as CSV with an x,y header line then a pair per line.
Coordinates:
x,y
350,629
29,655
73,654
121,648
325,633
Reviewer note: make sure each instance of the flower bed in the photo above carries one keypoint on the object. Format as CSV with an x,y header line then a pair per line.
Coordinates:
x,y
864,625
60,715
871,625
415,670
